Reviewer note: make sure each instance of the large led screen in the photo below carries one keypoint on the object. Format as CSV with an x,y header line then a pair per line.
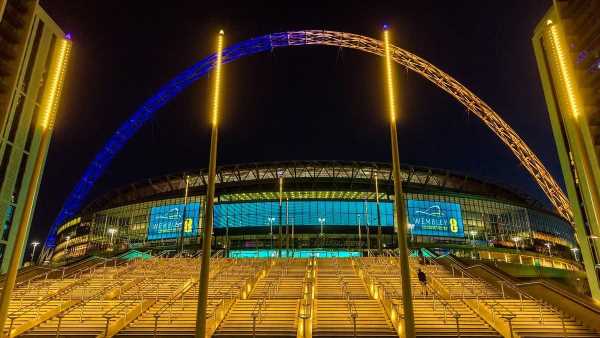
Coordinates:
x,y
431,218
166,221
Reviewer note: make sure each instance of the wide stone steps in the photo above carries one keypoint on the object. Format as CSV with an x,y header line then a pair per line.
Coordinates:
x,y
177,320
28,313
277,319
333,319
435,321
529,323
86,320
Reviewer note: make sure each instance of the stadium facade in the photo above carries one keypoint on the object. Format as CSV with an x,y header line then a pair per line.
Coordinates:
x,y
287,208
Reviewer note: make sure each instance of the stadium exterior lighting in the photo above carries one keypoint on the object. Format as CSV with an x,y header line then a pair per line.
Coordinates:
x,y
280,174
378,214
321,221
49,108
549,245
34,244
112,232
516,239
409,322
473,233
574,250
183,218
210,197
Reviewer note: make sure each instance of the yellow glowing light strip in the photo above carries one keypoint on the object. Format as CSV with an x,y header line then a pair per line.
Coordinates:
x,y
564,66
55,84
215,118
390,85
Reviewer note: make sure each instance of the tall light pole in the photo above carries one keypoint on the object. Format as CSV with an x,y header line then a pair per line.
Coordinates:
x,y
378,215
185,202
409,321
34,244
271,220
359,232
227,236
280,173
368,228
287,222
49,106
210,196
321,221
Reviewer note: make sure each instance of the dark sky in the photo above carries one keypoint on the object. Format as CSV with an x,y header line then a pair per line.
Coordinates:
x,y
294,103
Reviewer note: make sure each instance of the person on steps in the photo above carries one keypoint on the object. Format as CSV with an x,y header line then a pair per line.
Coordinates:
x,y
423,281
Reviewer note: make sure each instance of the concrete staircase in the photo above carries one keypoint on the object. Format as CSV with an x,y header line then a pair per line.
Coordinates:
x,y
330,297
532,320
275,318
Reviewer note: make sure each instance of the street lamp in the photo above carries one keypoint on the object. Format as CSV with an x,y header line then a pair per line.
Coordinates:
x,y
548,245
321,220
472,233
359,232
68,238
271,220
516,239
112,232
34,244
574,250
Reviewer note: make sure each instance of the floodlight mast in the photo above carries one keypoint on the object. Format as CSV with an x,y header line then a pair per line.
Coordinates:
x,y
409,322
210,197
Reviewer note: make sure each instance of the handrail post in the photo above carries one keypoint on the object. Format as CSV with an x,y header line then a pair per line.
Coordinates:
x,y
108,318
12,320
510,328
156,317
253,325
562,321
353,315
457,317
60,317
521,300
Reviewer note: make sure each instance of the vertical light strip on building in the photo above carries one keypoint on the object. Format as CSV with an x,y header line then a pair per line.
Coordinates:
x,y
390,78
55,85
50,105
216,96
564,67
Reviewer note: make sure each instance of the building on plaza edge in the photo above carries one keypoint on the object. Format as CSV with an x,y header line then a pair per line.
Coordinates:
x,y
325,205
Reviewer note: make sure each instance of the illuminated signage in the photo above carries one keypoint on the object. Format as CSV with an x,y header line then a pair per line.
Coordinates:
x,y
431,218
166,221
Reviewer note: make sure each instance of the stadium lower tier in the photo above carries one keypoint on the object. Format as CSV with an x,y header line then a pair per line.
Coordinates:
x,y
312,204
280,297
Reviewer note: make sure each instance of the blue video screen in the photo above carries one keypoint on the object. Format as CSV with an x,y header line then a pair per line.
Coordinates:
x,y
432,218
166,221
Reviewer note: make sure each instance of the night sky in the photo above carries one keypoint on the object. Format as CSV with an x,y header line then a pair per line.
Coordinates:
x,y
299,103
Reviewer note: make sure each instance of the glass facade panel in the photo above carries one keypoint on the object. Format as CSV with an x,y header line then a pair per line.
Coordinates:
x,y
310,213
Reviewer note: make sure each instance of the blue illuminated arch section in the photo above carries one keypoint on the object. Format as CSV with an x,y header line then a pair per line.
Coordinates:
x,y
298,38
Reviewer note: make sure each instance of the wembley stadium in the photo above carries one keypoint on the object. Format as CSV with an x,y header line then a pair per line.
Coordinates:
x,y
312,208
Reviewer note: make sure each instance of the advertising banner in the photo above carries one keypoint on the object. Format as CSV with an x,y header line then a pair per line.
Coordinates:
x,y
165,221
432,218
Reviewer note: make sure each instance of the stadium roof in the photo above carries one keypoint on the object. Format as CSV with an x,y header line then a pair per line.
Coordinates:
x,y
307,175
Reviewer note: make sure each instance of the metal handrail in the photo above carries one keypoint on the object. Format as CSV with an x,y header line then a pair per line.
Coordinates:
x,y
541,304
36,305
493,304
